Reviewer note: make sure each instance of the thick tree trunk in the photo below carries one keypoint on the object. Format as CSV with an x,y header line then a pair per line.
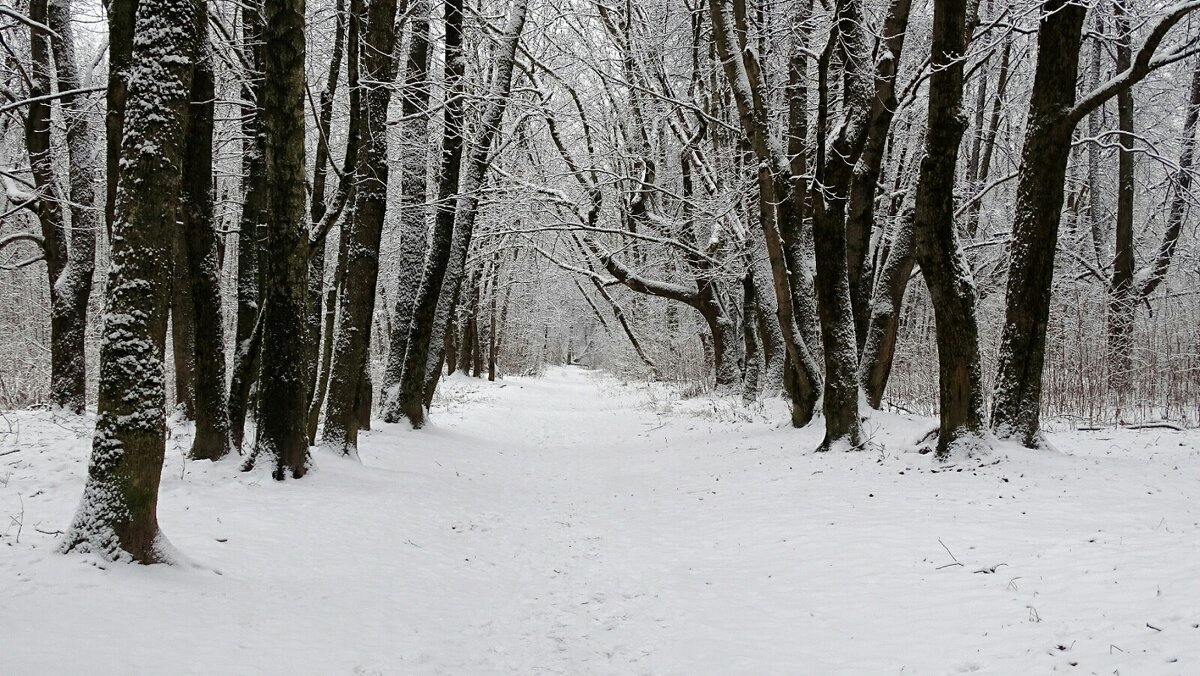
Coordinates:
x,y
830,191
282,438
960,375
117,516
212,438
1016,408
356,302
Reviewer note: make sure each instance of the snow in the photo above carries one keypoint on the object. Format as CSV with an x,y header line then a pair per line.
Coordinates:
x,y
573,524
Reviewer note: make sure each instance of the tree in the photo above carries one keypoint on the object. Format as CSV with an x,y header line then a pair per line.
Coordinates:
x,y
117,516
282,388
414,111
960,376
1053,115
66,246
357,295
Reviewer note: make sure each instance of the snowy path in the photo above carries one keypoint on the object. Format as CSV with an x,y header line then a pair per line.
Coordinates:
x,y
568,525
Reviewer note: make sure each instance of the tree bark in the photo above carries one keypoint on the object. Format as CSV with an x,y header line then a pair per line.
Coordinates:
x,y
212,440
414,109
951,289
117,516
69,293
407,397
356,302
183,324
830,188
282,390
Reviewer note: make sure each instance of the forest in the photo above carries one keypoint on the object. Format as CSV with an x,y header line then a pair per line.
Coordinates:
x,y
453,313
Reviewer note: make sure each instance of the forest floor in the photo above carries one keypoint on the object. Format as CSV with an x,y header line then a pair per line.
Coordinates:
x,y
572,524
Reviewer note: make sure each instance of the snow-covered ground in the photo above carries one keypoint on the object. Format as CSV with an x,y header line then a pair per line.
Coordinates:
x,y
574,525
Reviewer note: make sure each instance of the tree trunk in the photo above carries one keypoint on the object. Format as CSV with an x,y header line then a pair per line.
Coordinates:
x,y
248,332
879,349
407,398
442,281
1121,301
860,218
117,516
282,391
840,401
318,206
121,17
203,269
70,292
943,265
752,364
356,302
414,108
1016,409
183,324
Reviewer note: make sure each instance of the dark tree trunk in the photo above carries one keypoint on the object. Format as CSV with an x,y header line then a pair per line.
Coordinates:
x,y
840,400
1053,115
491,361
121,16
117,517
943,266
752,364
282,438
183,321
203,269
356,303
1121,301
1018,397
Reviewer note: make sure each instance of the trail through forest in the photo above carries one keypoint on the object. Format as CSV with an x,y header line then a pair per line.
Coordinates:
x,y
574,525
